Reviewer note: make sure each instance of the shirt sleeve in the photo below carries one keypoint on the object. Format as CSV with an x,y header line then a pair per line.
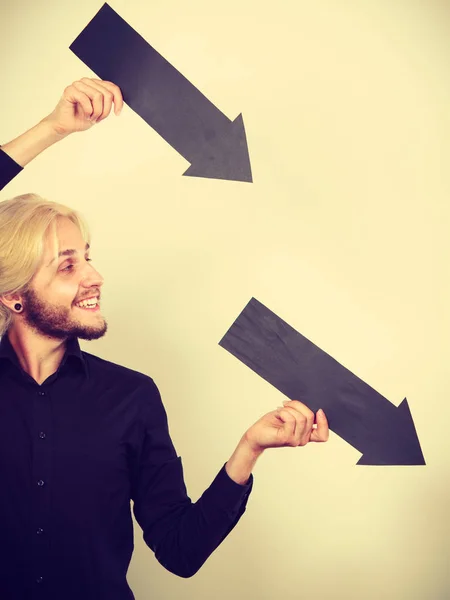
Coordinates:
x,y
8,168
181,533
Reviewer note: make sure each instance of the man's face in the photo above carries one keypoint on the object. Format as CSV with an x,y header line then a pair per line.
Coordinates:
x,y
49,306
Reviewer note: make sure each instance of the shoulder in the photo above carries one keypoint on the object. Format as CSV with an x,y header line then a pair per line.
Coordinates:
x,y
118,375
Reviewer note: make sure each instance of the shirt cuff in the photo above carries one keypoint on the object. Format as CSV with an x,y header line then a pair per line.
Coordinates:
x,y
227,494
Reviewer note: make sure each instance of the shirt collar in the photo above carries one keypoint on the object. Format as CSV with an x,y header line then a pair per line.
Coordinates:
x,y
73,349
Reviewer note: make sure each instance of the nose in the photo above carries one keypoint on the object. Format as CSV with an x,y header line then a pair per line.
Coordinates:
x,y
92,277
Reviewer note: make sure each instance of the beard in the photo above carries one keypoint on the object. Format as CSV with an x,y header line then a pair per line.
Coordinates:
x,y
58,322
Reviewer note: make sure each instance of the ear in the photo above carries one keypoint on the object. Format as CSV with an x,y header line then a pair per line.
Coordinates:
x,y
9,300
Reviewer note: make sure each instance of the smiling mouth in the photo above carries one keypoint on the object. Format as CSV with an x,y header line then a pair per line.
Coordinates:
x,y
92,309
95,306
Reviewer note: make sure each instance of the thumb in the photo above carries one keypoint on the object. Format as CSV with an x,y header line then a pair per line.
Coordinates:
x,y
322,432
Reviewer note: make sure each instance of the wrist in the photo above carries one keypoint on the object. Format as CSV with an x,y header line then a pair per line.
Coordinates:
x,y
254,451
50,131
27,146
242,461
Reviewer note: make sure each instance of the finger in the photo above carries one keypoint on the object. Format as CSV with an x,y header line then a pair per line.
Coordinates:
x,y
74,96
95,96
289,427
306,413
322,433
300,407
108,97
303,427
116,92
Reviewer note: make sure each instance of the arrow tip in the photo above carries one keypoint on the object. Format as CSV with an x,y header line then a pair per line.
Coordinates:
x,y
225,157
397,444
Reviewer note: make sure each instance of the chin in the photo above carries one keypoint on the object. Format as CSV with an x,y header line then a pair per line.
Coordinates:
x,y
90,337
87,332
91,334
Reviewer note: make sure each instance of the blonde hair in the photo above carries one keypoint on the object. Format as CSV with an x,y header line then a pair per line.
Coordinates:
x,y
24,223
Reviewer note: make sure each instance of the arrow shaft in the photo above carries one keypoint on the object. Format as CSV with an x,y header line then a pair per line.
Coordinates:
x,y
150,85
302,371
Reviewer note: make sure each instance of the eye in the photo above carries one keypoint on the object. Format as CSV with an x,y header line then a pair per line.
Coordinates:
x,y
70,267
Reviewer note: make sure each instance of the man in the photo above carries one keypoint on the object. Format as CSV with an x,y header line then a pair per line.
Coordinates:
x,y
80,436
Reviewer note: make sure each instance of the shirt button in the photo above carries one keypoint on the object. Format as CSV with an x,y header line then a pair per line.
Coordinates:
x,y
40,482
41,393
42,435
39,579
39,531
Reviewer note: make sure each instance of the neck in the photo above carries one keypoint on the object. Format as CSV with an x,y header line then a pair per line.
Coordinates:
x,y
38,356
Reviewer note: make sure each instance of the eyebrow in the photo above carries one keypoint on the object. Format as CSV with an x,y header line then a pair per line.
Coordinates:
x,y
68,252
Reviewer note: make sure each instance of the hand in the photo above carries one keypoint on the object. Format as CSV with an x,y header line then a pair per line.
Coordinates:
x,y
292,425
84,103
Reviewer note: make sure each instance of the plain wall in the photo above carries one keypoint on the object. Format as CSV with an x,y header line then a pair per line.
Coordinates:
x,y
344,234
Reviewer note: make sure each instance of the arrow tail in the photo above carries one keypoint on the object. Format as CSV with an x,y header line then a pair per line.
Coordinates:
x,y
151,86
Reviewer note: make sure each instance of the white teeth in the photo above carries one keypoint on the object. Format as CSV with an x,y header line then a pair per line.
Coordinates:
x,y
86,304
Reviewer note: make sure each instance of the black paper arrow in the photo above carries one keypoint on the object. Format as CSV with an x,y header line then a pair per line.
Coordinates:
x,y
215,146
384,434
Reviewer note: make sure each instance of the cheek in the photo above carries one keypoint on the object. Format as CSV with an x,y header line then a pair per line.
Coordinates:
x,y
64,289
67,294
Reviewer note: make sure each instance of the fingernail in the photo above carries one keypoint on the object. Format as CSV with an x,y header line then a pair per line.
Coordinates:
x,y
320,412
286,401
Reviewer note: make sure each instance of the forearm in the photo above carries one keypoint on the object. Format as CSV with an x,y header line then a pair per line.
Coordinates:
x,y
184,534
241,463
31,143
183,543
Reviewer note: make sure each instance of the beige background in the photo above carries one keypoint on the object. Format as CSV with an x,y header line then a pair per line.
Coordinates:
x,y
344,234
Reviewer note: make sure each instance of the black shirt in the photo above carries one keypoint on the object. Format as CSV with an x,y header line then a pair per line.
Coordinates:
x,y
73,452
